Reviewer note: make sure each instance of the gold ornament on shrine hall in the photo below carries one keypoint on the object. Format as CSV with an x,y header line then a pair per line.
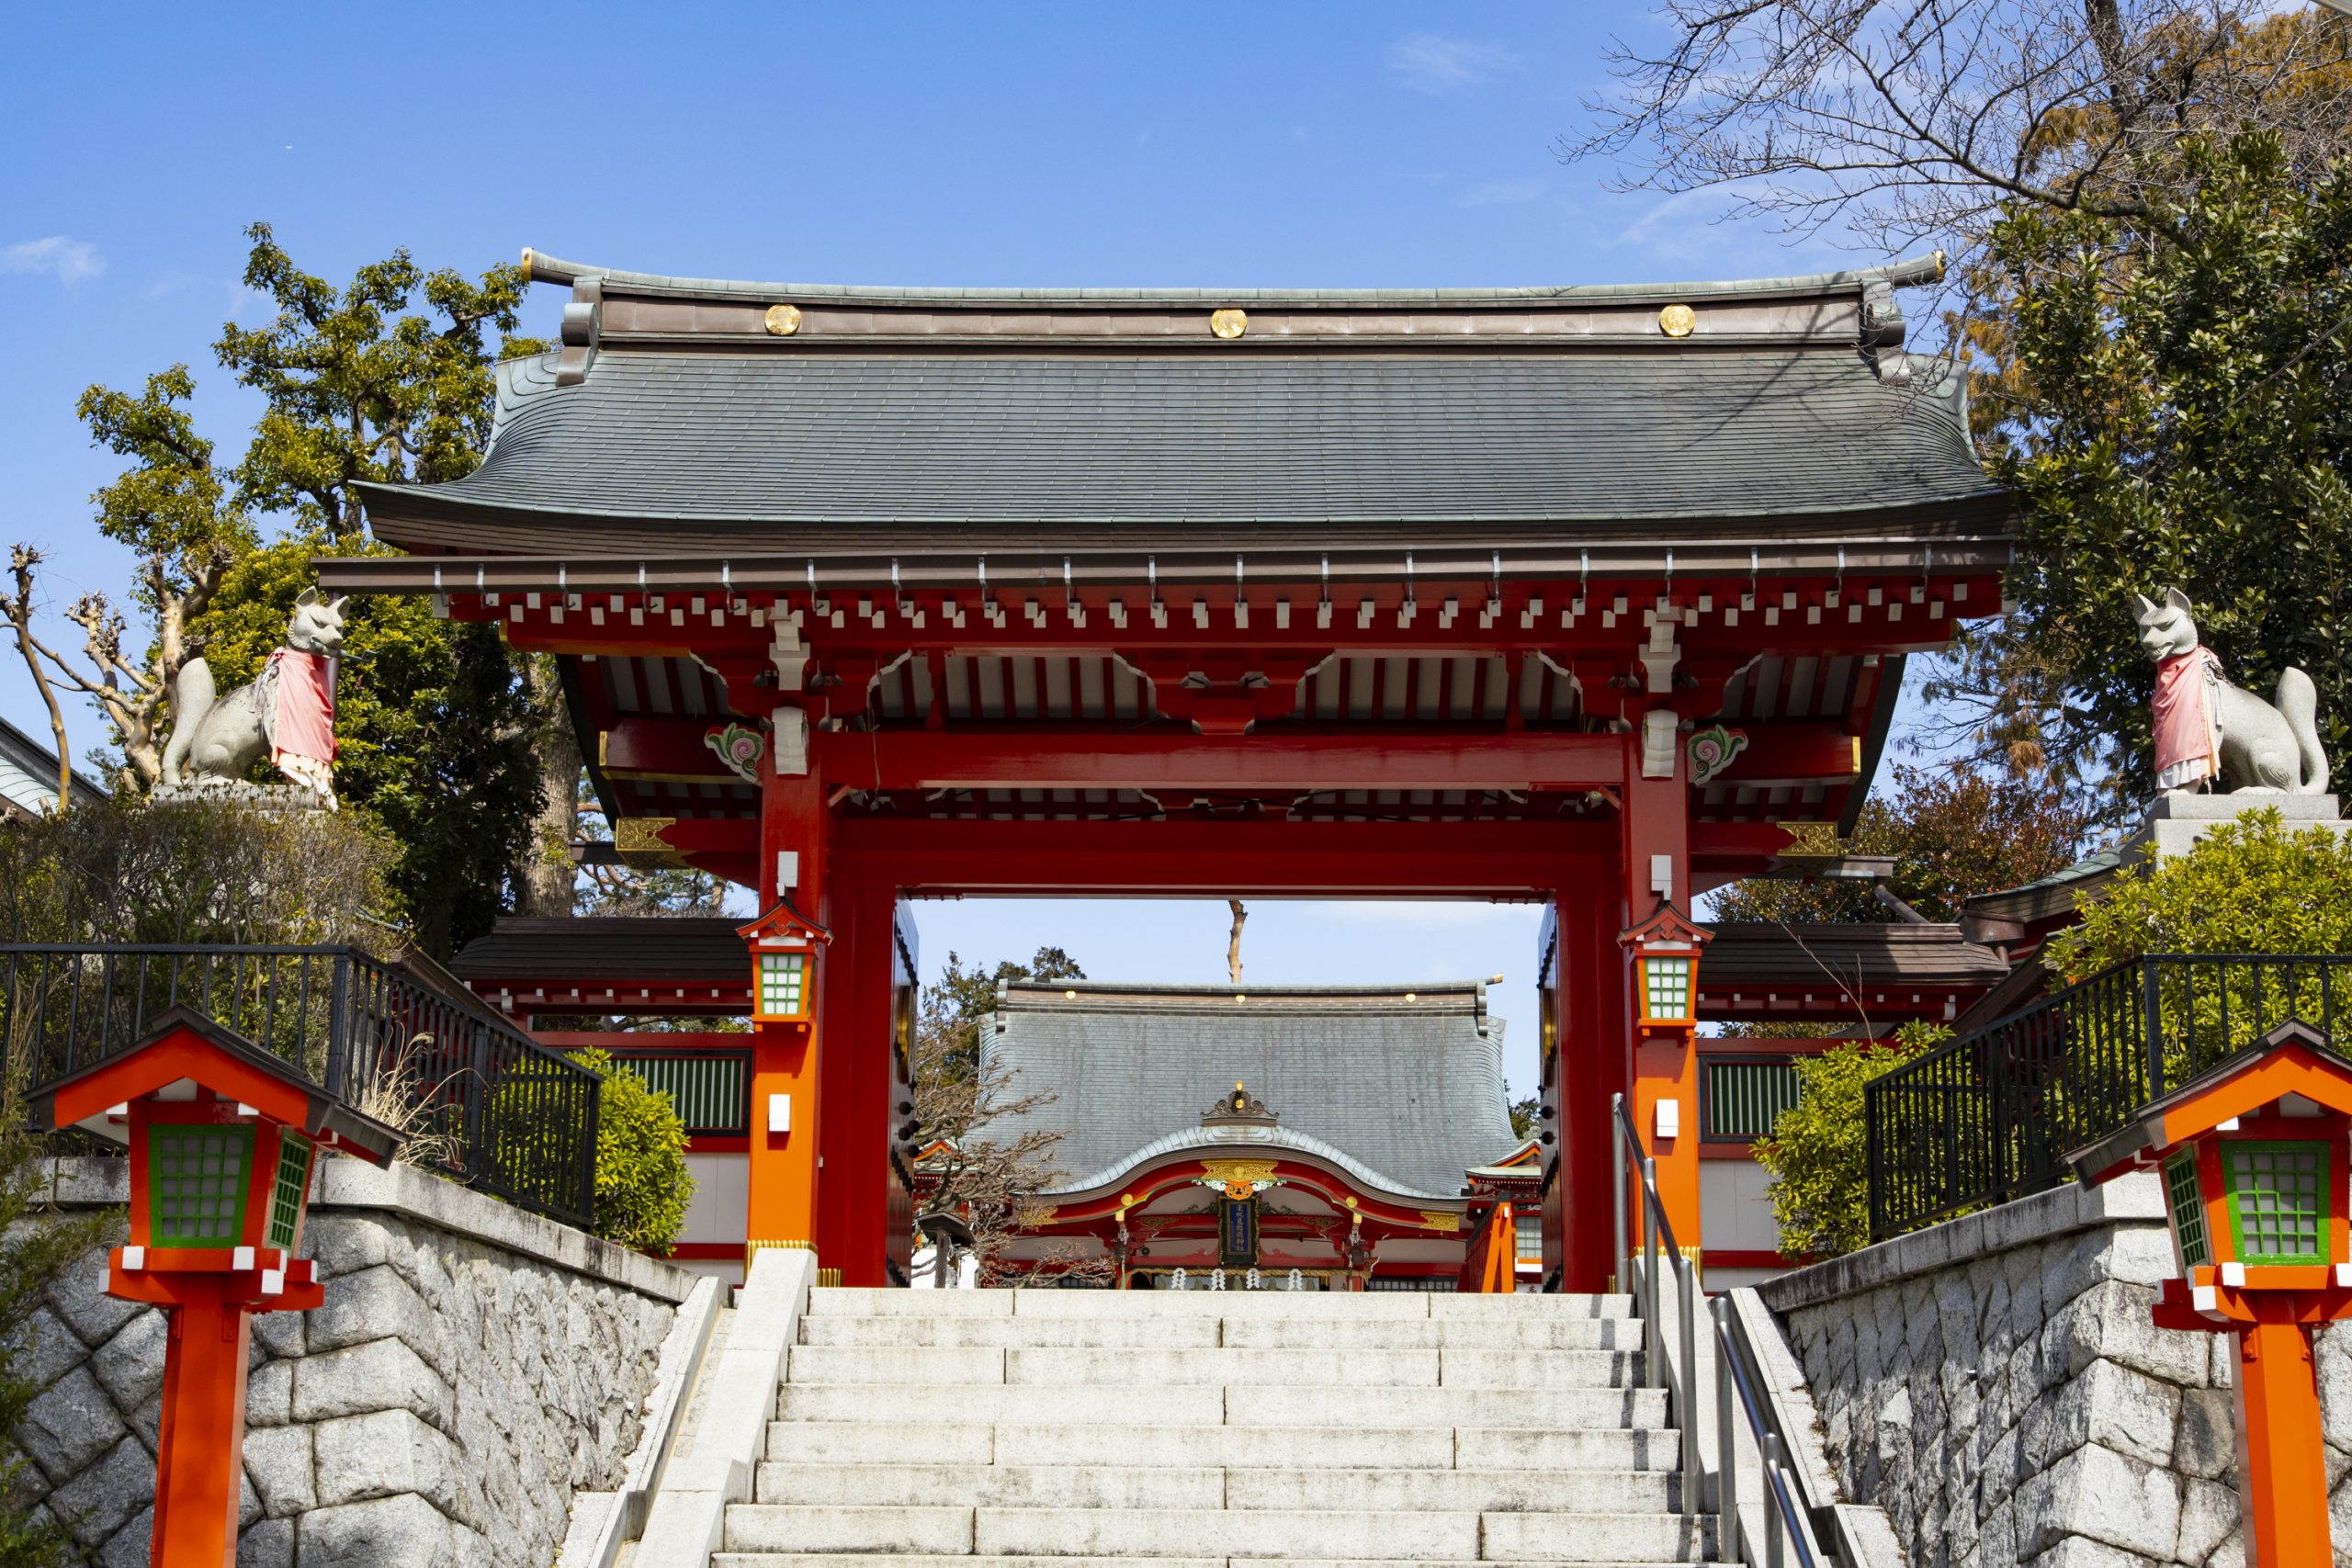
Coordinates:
x,y
1228,324
1678,320
784,945
782,320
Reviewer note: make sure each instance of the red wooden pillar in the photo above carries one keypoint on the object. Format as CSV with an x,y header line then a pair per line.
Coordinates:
x,y
852,1216
1655,834
1595,1063
786,1096
2282,1464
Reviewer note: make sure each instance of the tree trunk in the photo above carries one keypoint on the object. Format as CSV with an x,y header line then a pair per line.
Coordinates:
x,y
543,886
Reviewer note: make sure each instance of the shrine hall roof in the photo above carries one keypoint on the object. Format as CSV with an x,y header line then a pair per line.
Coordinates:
x,y
1407,1095
677,417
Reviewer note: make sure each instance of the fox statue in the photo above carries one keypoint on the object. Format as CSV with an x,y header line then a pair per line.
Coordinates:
x,y
2211,734
287,710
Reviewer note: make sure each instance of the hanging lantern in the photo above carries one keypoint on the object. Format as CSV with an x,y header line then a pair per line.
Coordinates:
x,y
783,944
1665,960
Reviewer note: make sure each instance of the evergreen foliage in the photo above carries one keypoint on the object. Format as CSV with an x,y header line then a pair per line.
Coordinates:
x,y
2182,422
2252,886
1818,1153
642,1188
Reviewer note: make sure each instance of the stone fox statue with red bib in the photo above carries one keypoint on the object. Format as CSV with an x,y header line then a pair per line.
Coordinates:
x,y
287,710
2211,734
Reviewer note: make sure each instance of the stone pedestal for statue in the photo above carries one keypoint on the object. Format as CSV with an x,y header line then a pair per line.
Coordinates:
x,y
2175,822
270,798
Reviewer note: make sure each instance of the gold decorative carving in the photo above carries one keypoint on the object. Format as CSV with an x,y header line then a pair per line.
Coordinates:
x,y
783,319
1034,1215
1239,1178
639,843
1228,324
1676,320
1439,1220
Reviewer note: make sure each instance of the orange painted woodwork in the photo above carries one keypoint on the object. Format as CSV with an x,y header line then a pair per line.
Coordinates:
x,y
2256,1169
1656,826
223,1137
788,1108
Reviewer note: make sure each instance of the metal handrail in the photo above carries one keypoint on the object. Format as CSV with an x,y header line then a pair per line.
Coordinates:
x,y
1733,1380
503,1112
1736,1373
1681,1387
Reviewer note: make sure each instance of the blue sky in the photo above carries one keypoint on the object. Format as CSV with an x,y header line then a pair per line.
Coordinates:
x,y
1203,143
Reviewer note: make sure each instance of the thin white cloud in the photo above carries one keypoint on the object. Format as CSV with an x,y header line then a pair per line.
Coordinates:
x,y
67,260
1431,62
1499,193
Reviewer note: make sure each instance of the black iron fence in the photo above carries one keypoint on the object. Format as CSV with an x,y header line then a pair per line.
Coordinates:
x,y
478,1098
1990,1115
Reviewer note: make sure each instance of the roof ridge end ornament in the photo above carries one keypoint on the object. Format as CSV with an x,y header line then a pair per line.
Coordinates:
x,y
583,330
1883,329
1238,1109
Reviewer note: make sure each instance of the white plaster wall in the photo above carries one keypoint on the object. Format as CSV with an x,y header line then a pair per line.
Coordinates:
x,y
721,1207
1735,1207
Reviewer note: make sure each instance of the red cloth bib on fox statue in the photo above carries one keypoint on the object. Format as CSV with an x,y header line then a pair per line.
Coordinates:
x,y
301,738
2188,749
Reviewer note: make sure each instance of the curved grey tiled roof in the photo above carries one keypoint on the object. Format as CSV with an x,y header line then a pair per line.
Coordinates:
x,y
1231,1140
1407,1095
750,439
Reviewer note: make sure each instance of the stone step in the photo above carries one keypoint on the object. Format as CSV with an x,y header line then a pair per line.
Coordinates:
x,y
1229,1366
1210,1404
1441,1491
1623,1334
1581,1407
1294,1489
1530,1369
1020,1485
1227,1369
1164,1533
840,1300
1349,1305
835,1528
1239,1448
1248,1332
864,1364
920,1559
998,1403
1030,1331
1596,1537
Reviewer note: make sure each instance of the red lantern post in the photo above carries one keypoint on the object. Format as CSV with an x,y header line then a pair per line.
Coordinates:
x,y
222,1137
2256,1168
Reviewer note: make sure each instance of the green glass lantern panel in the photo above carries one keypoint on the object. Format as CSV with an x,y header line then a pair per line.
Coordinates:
x,y
783,977
2188,1206
286,1192
2277,1201
1670,986
196,1179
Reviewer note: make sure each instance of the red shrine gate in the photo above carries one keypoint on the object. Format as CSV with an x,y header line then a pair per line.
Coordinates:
x,y
1569,595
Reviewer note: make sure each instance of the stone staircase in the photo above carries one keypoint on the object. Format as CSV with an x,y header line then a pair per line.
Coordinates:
x,y
995,1428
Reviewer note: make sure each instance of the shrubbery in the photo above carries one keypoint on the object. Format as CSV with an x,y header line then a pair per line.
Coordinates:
x,y
1818,1153
642,1188
2251,886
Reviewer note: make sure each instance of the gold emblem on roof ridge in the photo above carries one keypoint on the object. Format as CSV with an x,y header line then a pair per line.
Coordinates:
x,y
1228,324
782,320
1676,320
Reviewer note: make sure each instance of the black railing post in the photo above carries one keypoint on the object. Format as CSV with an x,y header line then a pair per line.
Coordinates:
x,y
339,1023
2152,1024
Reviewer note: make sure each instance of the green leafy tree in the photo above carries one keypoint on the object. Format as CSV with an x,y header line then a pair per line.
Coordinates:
x,y
2182,425
1525,1114
2253,886
445,737
1818,1153
961,1000
642,1188
1953,832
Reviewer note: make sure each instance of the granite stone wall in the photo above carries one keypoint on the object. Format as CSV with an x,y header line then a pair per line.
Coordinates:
x,y
1997,1386
473,1367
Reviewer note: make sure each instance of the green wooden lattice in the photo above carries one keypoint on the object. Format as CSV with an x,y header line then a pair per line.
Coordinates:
x,y
195,1184
2277,1201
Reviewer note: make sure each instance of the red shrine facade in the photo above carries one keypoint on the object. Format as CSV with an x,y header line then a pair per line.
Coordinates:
x,y
1570,595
